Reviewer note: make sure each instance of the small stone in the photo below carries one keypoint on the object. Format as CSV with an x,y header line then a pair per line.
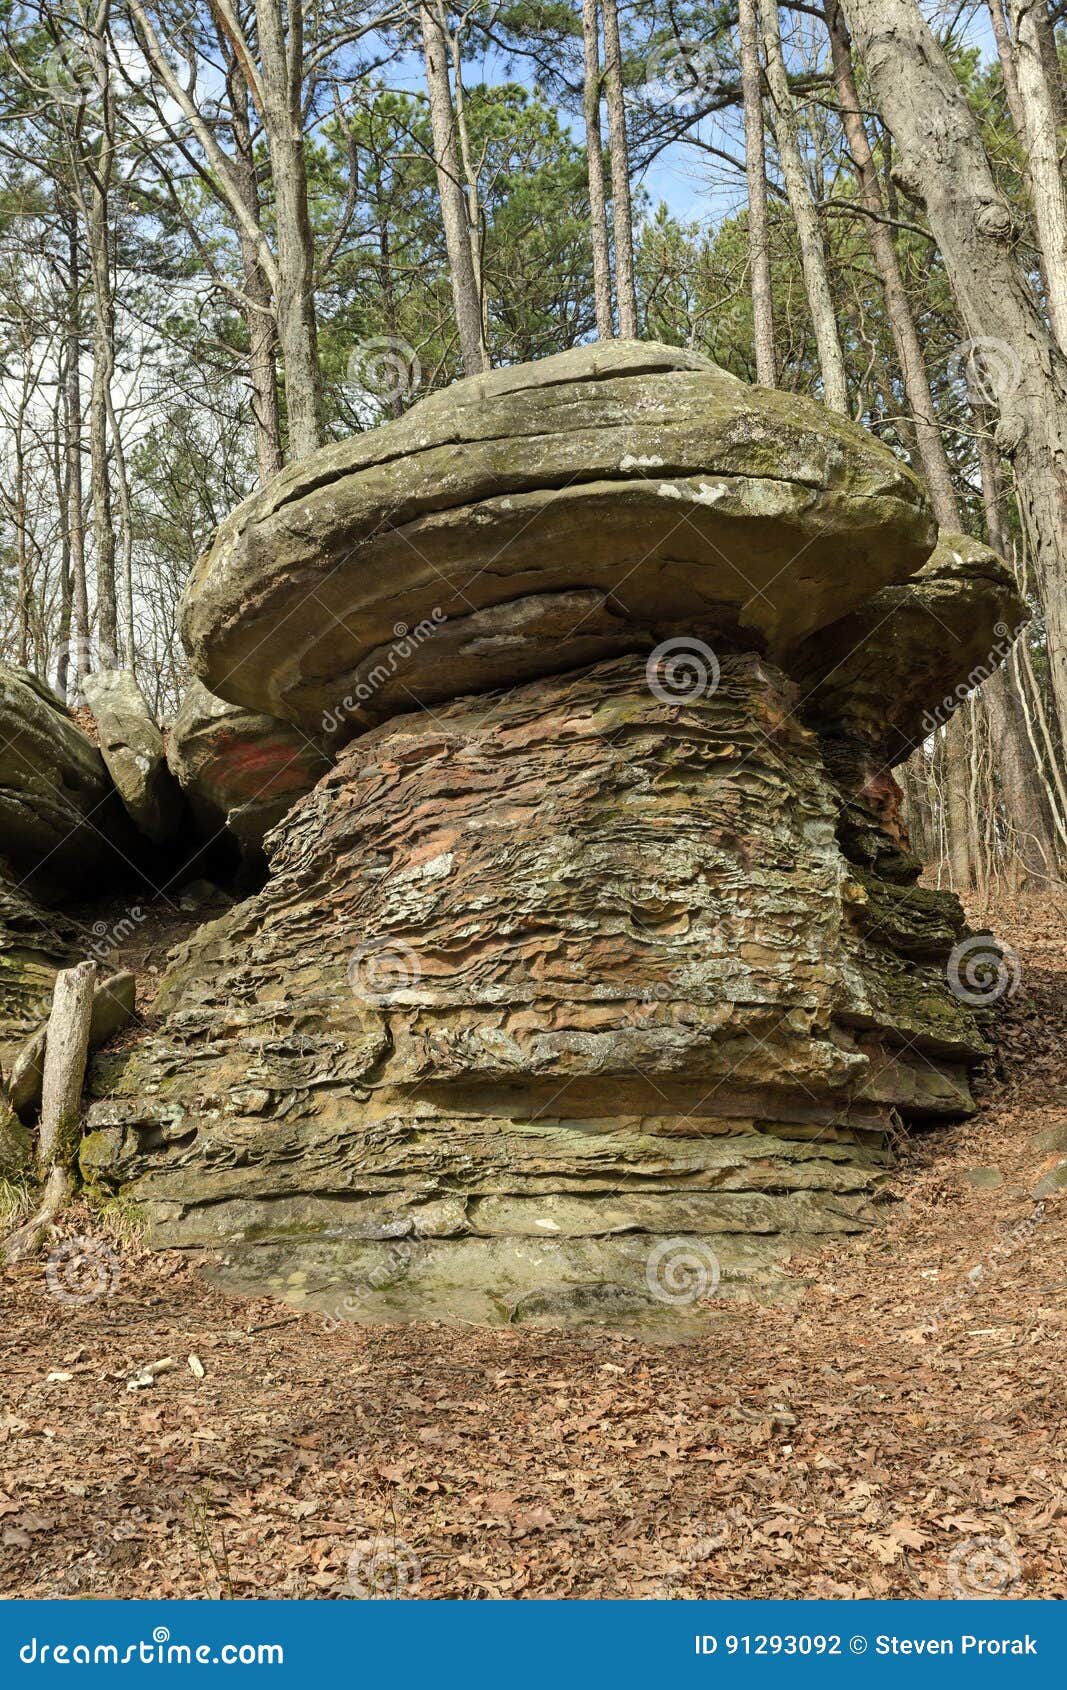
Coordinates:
x,y
985,1178
1055,1180
1051,1138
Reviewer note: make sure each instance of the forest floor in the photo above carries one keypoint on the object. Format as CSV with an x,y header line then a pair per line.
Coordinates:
x,y
898,1432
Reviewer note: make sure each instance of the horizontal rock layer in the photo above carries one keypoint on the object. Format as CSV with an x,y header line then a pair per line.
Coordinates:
x,y
541,982
669,495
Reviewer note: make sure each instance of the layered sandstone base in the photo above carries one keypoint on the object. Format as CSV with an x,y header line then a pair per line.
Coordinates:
x,y
546,985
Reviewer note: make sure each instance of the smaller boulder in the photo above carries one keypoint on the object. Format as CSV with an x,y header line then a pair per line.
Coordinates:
x,y
131,745
241,771
60,818
891,672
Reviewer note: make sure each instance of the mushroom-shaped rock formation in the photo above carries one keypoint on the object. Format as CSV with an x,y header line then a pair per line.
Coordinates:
x,y
60,818
638,490
584,996
240,770
131,745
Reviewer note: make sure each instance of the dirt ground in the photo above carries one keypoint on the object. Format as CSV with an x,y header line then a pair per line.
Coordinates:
x,y
899,1432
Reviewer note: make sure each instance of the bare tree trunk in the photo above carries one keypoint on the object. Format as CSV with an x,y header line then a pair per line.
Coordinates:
x,y
898,307
956,755
78,645
594,152
259,314
759,236
470,175
65,1056
1046,180
1007,68
622,212
941,162
913,778
1024,792
100,169
1046,35
281,51
450,188
809,235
